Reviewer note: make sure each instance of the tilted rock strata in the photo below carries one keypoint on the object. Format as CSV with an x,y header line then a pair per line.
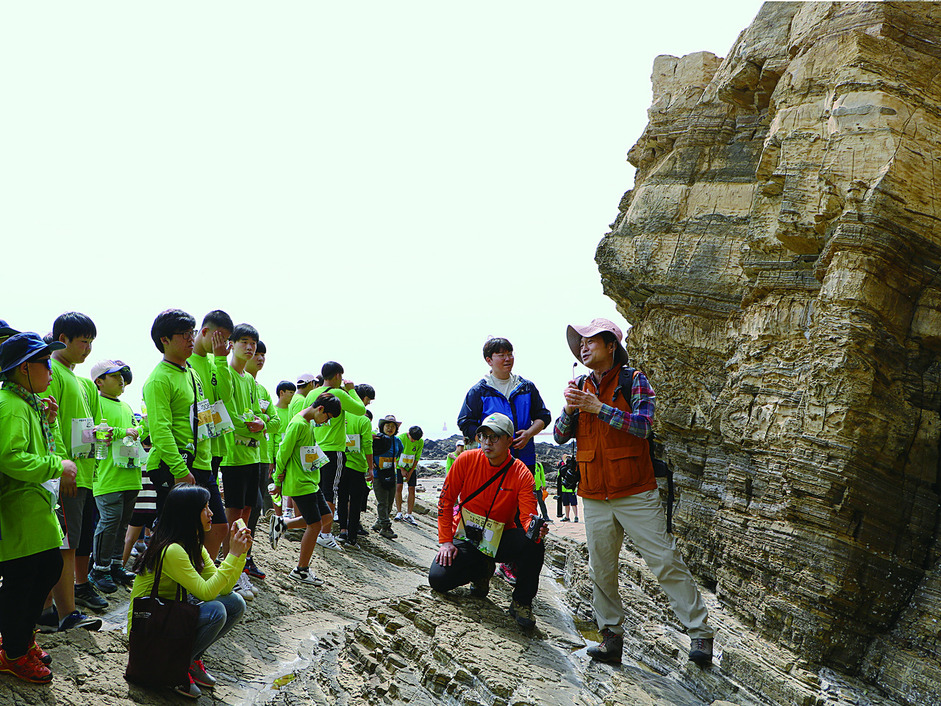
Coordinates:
x,y
779,257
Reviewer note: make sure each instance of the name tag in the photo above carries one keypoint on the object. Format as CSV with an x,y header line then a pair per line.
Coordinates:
x,y
83,437
202,410
353,443
312,458
221,421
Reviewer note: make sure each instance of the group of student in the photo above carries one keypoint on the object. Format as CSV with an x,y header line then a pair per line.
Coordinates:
x,y
81,475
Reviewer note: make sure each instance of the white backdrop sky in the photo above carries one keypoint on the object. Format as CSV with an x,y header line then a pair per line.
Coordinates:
x,y
382,184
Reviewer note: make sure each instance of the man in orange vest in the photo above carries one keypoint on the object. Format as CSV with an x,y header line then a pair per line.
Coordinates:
x,y
619,491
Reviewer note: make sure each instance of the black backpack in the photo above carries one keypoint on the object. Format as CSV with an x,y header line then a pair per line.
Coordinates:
x,y
660,467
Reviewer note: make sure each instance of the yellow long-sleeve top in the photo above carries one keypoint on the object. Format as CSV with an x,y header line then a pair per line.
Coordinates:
x,y
177,570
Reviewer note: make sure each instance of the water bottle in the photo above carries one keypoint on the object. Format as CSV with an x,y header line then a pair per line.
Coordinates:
x,y
101,441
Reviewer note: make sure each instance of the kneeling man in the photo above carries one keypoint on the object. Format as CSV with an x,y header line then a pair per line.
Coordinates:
x,y
486,494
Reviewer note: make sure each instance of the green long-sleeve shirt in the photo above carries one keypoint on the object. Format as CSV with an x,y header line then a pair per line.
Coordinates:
x,y
76,401
28,523
272,422
214,373
359,428
243,407
332,435
295,480
170,393
111,478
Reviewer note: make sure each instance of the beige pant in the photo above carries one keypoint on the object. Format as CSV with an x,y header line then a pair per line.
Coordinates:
x,y
642,517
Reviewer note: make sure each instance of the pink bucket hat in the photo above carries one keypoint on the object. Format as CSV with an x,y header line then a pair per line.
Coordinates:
x,y
575,334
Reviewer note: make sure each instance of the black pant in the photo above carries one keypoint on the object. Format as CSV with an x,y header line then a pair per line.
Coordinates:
x,y
26,583
350,494
470,563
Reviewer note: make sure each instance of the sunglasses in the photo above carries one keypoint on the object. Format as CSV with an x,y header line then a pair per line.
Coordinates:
x,y
46,362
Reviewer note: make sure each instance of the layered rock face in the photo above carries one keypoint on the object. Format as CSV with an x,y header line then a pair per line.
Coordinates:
x,y
779,258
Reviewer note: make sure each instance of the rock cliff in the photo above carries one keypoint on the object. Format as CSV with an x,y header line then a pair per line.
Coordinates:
x,y
779,258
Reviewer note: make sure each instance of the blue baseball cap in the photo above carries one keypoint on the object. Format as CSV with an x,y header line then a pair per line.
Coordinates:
x,y
19,348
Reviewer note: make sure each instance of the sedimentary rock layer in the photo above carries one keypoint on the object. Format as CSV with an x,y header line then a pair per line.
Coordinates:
x,y
779,258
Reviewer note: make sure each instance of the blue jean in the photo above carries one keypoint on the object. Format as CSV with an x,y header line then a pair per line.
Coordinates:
x,y
216,618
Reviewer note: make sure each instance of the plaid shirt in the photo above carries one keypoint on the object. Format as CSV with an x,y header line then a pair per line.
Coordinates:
x,y
636,422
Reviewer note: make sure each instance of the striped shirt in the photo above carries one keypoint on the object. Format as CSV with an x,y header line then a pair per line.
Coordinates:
x,y
636,422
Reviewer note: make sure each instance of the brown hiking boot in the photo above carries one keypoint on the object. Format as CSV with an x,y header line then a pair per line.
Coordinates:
x,y
610,648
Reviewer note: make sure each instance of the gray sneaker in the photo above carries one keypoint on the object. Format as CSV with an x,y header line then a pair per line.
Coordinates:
x,y
387,533
700,651
86,595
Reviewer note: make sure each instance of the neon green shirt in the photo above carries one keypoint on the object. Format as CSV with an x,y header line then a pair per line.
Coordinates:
x,y
75,402
358,425
169,396
332,435
111,478
295,481
299,402
272,422
412,448
539,477
214,374
284,414
243,407
28,524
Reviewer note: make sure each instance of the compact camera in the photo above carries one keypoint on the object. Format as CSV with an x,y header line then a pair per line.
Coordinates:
x,y
474,533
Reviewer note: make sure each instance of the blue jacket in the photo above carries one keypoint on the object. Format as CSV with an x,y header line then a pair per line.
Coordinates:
x,y
524,407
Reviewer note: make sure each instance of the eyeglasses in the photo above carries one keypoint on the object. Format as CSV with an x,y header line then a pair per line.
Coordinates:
x,y
187,335
488,438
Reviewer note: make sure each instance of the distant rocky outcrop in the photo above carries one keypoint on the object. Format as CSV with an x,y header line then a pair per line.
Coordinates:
x,y
779,258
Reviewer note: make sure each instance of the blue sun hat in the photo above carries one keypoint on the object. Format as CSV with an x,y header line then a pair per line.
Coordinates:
x,y
19,348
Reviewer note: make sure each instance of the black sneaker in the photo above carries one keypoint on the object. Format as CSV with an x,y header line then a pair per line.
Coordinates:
x,y
102,580
86,595
253,570
362,531
610,648
79,620
523,614
700,651
121,577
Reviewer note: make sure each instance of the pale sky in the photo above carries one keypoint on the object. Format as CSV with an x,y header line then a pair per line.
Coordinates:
x,y
382,184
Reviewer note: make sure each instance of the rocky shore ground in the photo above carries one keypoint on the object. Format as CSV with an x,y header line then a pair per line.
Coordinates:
x,y
376,634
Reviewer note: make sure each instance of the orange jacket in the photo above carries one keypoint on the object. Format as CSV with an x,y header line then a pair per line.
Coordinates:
x,y
613,462
512,498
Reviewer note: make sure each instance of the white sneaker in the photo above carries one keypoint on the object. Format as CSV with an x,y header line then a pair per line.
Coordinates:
x,y
307,577
328,541
398,516
411,520
243,588
289,514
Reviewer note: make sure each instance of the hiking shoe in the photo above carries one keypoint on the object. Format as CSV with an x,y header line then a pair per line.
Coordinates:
x,y
344,539
48,621
328,541
387,533
361,532
253,570
700,651
609,649
565,519
27,668
200,676
375,528
411,520
86,595
507,573
480,586
121,577
79,620
189,689
523,614
102,580
276,529
305,576
398,516
243,587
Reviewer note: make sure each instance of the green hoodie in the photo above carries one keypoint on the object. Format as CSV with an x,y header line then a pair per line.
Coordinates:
x,y
214,373
332,435
111,478
76,401
169,396
28,524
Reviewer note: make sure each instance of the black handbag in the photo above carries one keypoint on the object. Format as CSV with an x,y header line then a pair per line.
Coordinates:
x,y
161,639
